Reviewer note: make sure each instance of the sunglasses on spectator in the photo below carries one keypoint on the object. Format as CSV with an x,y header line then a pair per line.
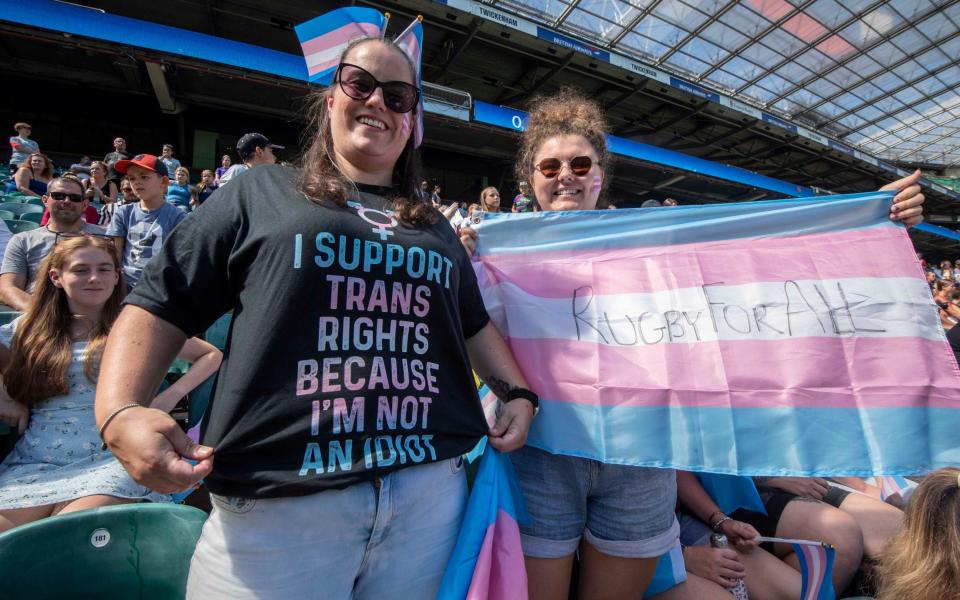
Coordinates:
x,y
60,196
398,96
550,167
69,235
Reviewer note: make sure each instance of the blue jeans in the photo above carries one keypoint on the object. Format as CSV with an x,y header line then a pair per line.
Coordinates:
x,y
385,539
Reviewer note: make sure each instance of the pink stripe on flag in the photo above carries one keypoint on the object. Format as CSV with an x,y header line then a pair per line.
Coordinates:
x,y
339,36
320,68
754,374
731,262
816,563
499,572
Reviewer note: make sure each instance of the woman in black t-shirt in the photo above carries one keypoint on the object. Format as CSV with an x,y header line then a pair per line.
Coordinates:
x,y
346,395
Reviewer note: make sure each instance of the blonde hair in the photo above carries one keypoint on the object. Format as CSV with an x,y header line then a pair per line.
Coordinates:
x,y
42,347
923,560
568,112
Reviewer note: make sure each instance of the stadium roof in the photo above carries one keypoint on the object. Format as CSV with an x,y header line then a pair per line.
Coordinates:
x,y
882,76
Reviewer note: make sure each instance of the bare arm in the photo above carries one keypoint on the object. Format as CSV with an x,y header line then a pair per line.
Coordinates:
x,y
112,192
692,495
149,444
22,179
13,291
204,361
493,362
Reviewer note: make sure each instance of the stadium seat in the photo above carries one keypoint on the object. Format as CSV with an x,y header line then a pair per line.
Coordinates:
x,y
18,226
33,217
217,333
34,201
6,214
7,316
125,551
19,208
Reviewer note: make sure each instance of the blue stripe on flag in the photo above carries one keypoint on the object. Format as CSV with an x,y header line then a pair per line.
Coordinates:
x,y
732,492
336,19
644,227
753,441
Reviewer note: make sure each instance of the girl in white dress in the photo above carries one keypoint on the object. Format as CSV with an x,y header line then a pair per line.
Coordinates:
x,y
50,357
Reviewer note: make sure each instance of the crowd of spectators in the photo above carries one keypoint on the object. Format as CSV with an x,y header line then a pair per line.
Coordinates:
x,y
105,220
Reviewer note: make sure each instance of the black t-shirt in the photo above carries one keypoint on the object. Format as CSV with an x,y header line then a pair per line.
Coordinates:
x,y
345,359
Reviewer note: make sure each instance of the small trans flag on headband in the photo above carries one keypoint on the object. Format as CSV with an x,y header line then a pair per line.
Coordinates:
x,y
324,38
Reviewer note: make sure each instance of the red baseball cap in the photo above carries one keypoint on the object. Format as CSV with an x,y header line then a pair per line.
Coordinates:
x,y
147,161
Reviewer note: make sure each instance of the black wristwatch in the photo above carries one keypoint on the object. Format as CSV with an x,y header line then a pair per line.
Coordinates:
x,y
526,394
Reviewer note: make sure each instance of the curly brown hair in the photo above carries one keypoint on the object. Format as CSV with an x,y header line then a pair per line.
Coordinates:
x,y
568,112
320,178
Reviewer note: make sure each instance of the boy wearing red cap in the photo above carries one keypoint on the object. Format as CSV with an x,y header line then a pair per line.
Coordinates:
x,y
140,228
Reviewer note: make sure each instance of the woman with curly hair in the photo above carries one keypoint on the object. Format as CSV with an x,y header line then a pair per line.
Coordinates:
x,y
922,561
619,518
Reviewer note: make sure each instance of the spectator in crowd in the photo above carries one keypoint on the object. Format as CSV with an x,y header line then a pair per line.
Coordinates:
x,y
425,191
946,270
126,191
33,175
254,149
49,358
435,195
180,193
119,153
490,199
923,560
523,202
670,202
21,146
240,255
25,251
611,205
99,188
206,187
166,157
651,203
92,194
473,208
82,169
141,228
225,163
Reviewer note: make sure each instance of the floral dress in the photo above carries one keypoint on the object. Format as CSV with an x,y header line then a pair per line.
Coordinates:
x,y
59,459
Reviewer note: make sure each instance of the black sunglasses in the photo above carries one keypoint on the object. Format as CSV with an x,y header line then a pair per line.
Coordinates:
x,y
550,167
60,196
398,96
69,235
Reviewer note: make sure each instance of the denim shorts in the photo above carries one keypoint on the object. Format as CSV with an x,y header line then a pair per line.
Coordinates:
x,y
389,538
623,511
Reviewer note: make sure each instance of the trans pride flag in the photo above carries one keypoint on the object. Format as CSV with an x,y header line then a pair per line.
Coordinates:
x,y
816,568
324,38
487,561
787,337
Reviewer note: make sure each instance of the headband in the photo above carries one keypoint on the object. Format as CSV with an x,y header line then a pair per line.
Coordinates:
x,y
324,39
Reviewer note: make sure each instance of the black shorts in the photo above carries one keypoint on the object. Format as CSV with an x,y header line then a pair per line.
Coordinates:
x,y
775,501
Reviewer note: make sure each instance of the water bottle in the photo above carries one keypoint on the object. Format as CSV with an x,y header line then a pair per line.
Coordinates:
x,y
739,591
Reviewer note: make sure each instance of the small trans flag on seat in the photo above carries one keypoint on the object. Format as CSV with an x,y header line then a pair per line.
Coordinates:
x,y
324,38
